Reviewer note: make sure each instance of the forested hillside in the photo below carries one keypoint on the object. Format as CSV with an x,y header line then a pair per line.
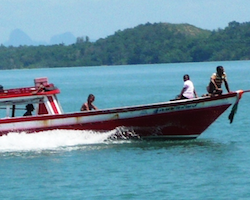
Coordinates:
x,y
144,44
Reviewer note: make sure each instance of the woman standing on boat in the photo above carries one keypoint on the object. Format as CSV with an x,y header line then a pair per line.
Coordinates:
x,y
89,104
188,90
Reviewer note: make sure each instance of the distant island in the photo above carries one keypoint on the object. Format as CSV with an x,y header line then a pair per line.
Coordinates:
x,y
18,37
144,44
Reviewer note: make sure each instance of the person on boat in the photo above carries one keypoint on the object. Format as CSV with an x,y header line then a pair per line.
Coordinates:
x,y
188,90
29,108
89,104
216,80
1,88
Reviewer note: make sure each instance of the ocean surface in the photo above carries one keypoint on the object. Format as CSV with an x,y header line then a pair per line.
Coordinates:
x,y
86,165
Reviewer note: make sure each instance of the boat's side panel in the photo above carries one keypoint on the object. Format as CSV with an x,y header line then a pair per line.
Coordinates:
x,y
184,124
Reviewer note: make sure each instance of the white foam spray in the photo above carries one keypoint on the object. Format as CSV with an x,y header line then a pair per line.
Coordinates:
x,y
51,140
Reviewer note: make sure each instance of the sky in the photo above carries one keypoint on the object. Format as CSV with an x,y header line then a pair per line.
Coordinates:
x,y
42,19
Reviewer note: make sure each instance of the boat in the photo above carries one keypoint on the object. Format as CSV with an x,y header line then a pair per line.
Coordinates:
x,y
179,119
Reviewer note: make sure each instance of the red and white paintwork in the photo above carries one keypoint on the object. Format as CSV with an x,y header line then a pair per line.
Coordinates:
x,y
182,119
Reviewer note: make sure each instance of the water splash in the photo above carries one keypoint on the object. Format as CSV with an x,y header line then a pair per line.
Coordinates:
x,y
51,140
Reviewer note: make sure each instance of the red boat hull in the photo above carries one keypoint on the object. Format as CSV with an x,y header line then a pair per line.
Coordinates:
x,y
179,125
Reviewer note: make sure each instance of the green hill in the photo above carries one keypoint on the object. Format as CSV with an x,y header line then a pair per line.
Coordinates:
x,y
150,43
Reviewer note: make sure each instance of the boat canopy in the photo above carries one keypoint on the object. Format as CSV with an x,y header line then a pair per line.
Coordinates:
x,y
42,95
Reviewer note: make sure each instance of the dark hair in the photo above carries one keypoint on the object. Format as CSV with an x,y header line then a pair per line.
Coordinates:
x,y
186,77
219,68
30,107
91,95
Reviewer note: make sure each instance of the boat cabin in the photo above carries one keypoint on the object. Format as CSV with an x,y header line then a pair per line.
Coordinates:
x,y
40,98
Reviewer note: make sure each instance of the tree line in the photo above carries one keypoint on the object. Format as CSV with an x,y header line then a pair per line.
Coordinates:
x,y
145,44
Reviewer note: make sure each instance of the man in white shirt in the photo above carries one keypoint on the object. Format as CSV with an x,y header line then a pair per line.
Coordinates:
x,y
188,90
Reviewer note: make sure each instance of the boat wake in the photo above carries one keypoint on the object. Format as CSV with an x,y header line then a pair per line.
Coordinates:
x,y
55,140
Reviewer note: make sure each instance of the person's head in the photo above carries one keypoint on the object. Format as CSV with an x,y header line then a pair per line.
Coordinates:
x,y
220,70
29,107
1,88
91,98
185,77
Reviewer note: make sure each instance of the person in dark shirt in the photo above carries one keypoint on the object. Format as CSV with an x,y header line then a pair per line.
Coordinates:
x,y
29,108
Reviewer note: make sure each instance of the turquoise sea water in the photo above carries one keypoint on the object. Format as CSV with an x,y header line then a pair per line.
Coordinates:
x,y
85,165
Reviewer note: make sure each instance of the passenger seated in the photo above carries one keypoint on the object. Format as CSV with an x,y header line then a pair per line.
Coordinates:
x,y
216,80
188,90
1,88
29,108
89,104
